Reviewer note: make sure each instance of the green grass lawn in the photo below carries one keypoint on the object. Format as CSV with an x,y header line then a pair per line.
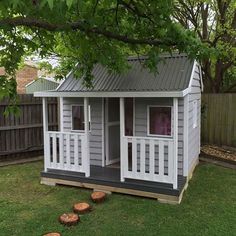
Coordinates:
x,y
28,208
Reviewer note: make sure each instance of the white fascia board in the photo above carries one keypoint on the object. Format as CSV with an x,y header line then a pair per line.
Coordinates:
x,y
186,91
51,79
30,83
62,81
192,74
111,94
202,85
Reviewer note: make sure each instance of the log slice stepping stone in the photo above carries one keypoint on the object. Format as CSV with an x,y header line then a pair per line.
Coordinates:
x,y
52,234
98,197
81,208
69,219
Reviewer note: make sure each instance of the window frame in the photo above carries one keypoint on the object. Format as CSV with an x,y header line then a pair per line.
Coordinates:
x,y
133,118
148,121
195,114
89,118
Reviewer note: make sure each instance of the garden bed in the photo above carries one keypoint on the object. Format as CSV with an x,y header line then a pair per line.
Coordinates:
x,y
217,153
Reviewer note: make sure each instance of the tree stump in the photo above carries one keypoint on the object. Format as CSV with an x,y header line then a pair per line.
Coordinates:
x,y
81,208
69,219
52,234
98,197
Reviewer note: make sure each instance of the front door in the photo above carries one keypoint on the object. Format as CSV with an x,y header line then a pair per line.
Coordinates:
x,y
112,127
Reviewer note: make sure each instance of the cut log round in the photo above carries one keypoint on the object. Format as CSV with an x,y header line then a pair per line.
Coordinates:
x,y
69,219
98,196
52,234
81,208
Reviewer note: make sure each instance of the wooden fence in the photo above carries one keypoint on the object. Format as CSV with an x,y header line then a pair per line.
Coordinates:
x,y
219,119
22,136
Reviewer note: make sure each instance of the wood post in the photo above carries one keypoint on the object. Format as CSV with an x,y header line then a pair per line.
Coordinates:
x,y
86,130
122,130
46,139
186,133
175,166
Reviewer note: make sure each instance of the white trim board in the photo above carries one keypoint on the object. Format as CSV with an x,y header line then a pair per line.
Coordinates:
x,y
134,128
103,134
68,74
54,93
61,105
192,74
196,64
186,133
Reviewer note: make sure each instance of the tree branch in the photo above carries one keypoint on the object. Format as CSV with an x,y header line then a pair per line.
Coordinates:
x,y
83,27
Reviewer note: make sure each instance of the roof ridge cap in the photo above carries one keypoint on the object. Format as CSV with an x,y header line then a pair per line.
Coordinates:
x,y
162,55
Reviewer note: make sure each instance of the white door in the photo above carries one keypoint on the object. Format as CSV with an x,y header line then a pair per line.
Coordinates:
x,y
112,126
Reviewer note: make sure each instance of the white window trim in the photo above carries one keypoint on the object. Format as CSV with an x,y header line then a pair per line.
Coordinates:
x,y
195,113
148,123
89,117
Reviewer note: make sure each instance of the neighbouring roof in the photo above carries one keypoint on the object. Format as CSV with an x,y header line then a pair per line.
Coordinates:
x,y
174,73
51,79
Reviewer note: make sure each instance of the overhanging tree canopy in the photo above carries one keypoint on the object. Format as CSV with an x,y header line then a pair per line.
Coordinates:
x,y
214,22
89,31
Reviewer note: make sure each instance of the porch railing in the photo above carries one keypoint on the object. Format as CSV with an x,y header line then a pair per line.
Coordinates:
x,y
150,159
66,151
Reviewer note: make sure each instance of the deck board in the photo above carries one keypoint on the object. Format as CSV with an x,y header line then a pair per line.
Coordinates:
x,y
111,177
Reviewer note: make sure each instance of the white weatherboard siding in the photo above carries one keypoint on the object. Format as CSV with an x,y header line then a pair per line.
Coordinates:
x,y
141,122
95,135
194,133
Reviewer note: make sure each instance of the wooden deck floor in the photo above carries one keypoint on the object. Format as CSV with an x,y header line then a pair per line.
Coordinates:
x,y
108,176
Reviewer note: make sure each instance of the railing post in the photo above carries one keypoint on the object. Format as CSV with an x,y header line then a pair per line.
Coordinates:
x,y
122,130
46,138
61,114
86,130
175,152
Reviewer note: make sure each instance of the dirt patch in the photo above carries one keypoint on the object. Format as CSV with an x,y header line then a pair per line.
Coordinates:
x,y
219,152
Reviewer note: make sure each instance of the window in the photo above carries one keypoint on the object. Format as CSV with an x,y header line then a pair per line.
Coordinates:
x,y
78,117
194,114
159,121
129,116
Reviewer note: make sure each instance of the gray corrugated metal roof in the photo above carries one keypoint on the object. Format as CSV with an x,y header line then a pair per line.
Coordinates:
x,y
174,73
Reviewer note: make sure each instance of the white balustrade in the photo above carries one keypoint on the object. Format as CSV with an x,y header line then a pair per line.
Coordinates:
x,y
66,151
148,158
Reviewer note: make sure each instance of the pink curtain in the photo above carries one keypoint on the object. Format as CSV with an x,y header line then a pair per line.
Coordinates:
x,y
129,116
160,120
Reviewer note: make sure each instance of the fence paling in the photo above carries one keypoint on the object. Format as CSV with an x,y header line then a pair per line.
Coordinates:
x,y
20,135
219,119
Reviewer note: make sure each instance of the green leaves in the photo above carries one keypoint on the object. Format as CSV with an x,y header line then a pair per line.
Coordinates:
x,y
50,3
69,3
104,27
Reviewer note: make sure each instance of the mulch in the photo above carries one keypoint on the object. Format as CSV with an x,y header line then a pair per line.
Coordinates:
x,y
221,153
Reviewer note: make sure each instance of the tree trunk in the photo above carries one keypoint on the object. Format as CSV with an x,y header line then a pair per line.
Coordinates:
x,y
98,197
218,76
